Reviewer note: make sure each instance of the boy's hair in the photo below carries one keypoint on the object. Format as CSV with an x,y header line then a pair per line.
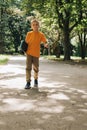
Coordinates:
x,y
35,20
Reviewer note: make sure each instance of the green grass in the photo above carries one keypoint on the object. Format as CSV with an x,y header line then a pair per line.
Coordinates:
x,y
4,59
74,60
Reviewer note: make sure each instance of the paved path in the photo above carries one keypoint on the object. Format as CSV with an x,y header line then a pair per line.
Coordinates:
x,y
60,102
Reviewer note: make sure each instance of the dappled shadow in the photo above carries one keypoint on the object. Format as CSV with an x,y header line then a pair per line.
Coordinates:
x,y
59,103
17,60
44,108
9,76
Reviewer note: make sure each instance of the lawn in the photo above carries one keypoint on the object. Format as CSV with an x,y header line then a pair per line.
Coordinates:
x,y
3,59
74,60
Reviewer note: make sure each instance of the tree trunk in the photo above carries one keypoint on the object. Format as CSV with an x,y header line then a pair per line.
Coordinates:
x,y
1,32
82,39
66,45
83,51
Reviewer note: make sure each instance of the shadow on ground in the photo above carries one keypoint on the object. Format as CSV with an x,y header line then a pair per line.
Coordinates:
x,y
43,109
55,105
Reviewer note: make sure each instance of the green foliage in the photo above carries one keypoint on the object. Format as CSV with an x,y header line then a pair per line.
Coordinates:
x,y
13,27
3,59
3,24
60,20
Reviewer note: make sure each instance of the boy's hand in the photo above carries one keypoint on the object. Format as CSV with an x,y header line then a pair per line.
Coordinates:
x,y
46,45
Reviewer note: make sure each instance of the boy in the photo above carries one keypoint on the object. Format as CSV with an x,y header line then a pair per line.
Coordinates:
x,y
33,39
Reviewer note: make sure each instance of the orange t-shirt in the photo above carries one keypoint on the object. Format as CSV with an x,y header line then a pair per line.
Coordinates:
x,y
33,39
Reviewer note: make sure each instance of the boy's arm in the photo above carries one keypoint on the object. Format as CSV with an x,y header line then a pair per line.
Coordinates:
x,y
46,45
44,40
27,37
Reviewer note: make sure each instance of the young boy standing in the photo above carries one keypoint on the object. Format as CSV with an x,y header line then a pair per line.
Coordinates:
x,y
33,39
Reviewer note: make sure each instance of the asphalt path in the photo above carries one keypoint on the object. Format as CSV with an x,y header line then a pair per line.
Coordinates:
x,y
59,102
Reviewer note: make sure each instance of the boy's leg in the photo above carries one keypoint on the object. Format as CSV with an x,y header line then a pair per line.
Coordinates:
x,y
36,69
28,67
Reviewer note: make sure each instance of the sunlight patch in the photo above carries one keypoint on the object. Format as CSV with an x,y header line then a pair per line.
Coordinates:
x,y
69,118
59,96
83,110
2,123
12,104
12,83
84,96
52,109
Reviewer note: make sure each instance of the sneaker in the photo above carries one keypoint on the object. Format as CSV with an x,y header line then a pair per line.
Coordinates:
x,y
28,85
35,83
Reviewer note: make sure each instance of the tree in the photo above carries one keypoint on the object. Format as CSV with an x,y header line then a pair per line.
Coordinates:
x,y
5,35
68,13
82,32
13,26
3,24
83,42
69,16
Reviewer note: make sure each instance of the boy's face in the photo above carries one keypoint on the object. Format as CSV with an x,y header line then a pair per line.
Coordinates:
x,y
35,26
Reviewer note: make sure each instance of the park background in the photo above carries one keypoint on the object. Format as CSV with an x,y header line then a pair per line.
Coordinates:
x,y
64,23
60,101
